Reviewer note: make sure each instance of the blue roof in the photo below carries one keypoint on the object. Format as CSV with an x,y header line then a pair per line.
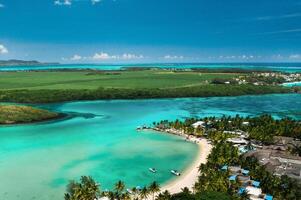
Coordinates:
x,y
255,183
225,167
233,178
268,197
241,190
244,171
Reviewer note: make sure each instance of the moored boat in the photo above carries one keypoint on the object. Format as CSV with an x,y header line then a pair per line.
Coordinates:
x,y
175,172
153,170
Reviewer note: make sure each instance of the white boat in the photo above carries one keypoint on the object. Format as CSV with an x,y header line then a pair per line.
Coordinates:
x,y
175,172
153,170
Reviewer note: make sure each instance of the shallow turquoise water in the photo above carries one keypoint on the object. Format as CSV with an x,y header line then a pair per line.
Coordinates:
x,y
284,67
292,84
36,161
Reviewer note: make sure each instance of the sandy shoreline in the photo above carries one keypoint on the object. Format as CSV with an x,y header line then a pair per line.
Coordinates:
x,y
190,175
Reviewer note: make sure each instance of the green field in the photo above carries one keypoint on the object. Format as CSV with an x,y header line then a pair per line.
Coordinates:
x,y
46,87
94,80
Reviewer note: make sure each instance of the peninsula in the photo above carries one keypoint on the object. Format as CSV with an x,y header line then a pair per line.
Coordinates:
x,y
14,62
15,114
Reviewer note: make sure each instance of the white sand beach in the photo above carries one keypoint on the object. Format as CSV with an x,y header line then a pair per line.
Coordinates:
x,y
190,176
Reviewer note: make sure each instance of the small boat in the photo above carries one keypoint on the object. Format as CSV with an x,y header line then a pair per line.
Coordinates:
x,y
153,170
175,172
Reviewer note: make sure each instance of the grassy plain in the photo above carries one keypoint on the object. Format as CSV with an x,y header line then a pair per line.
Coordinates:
x,y
116,79
58,86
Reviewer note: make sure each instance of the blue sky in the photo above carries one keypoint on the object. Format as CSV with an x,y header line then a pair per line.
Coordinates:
x,y
128,31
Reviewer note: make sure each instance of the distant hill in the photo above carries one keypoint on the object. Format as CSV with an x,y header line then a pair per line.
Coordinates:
x,y
22,62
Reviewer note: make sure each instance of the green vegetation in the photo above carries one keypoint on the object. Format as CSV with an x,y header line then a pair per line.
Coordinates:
x,y
262,128
12,114
213,179
88,189
45,87
153,79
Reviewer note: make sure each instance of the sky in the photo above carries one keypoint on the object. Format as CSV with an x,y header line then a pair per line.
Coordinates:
x,y
146,31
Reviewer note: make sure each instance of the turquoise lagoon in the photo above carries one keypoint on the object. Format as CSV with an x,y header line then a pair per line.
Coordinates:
x,y
37,160
284,67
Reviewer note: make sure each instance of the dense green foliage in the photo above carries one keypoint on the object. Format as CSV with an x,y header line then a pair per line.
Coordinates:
x,y
213,179
262,128
12,114
46,96
86,189
188,195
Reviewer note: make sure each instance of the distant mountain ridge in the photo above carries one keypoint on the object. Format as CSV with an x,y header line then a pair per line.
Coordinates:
x,y
14,62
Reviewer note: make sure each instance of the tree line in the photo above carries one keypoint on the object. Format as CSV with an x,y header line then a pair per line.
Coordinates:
x,y
61,95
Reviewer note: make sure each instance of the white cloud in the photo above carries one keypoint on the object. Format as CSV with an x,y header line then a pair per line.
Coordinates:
x,y
95,1
295,56
281,31
63,2
3,49
69,2
131,56
265,18
104,56
76,57
125,56
170,57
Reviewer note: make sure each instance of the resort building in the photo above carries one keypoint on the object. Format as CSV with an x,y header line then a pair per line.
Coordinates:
x,y
251,187
237,141
197,124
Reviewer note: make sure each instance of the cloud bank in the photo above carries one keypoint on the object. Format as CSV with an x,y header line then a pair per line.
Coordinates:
x,y
3,49
103,56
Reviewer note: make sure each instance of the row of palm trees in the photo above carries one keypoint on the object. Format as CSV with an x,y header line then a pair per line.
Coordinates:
x,y
213,179
262,128
88,189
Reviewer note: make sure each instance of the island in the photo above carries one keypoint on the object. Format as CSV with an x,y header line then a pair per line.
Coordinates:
x,y
14,62
16,114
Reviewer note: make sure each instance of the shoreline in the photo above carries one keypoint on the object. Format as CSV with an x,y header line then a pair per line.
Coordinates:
x,y
190,175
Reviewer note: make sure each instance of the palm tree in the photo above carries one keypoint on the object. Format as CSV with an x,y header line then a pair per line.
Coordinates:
x,y
164,196
119,187
154,188
144,193
86,189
